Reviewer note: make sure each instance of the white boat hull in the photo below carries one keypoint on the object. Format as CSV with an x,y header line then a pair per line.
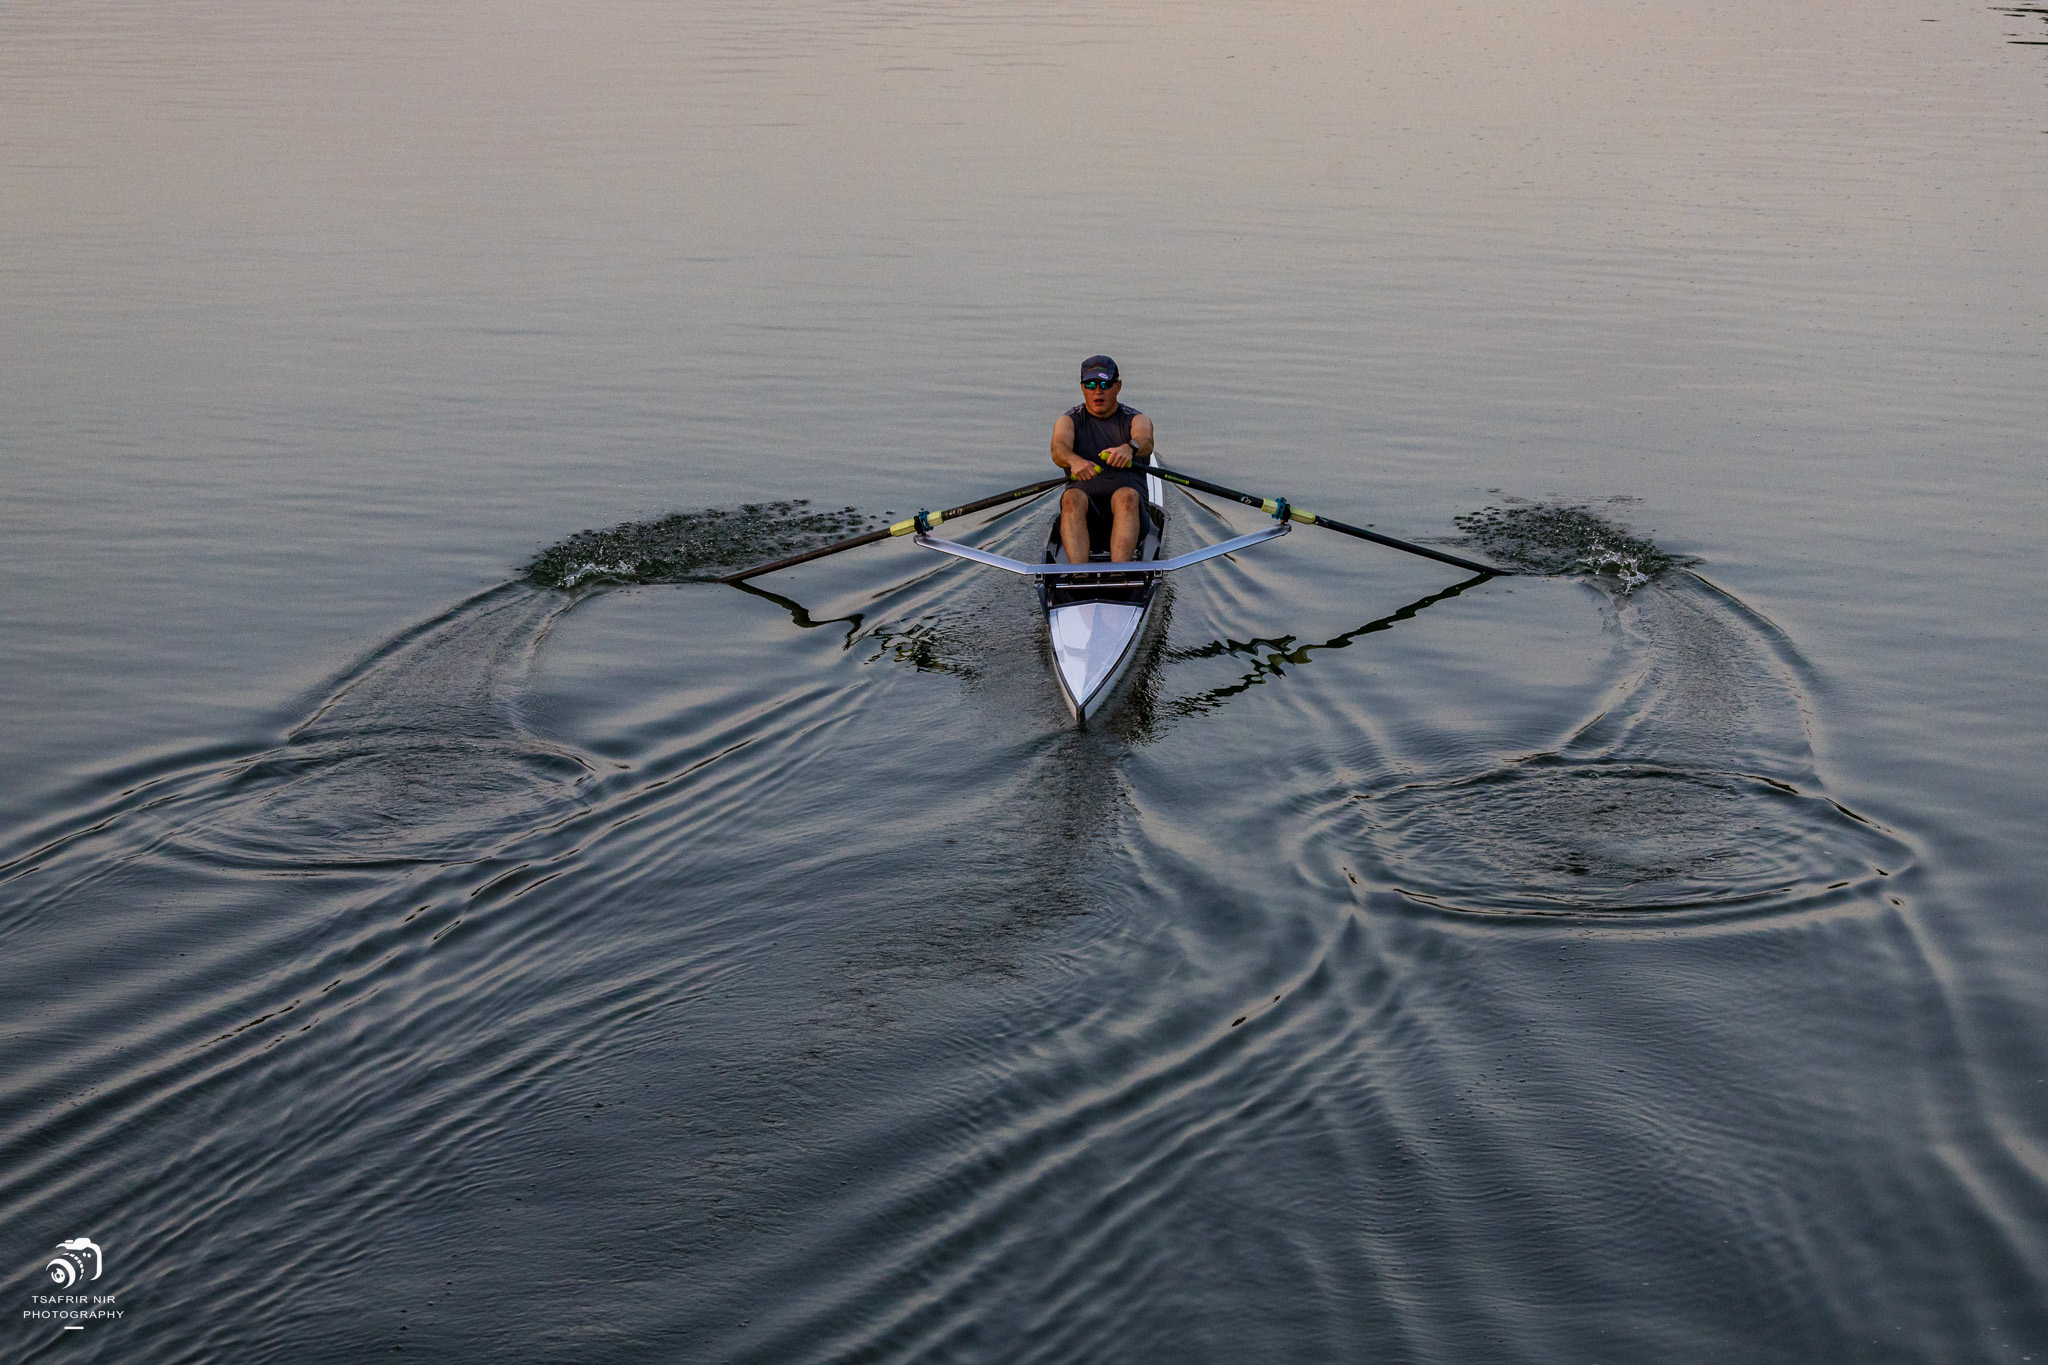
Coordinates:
x,y
1092,645
1096,625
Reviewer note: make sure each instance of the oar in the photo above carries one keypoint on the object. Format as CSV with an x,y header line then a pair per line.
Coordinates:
x,y
923,521
1280,507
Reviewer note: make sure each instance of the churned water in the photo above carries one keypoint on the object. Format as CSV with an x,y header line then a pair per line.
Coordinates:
x,y
435,919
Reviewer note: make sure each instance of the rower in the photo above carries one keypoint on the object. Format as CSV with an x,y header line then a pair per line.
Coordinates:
x,y
1101,431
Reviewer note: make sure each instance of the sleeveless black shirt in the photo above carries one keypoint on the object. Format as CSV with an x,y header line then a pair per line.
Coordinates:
x,y
1093,435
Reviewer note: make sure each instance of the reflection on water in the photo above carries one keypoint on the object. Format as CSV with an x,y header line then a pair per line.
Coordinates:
x,y
2026,12
800,616
1610,964
931,645
909,971
1272,657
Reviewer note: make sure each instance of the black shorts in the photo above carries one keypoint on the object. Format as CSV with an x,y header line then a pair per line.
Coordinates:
x,y
1108,481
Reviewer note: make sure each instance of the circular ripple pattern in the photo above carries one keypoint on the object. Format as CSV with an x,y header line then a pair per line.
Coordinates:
x,y
408,801
1551,837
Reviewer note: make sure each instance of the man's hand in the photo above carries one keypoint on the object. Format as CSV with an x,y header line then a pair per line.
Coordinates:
x,y
1084,467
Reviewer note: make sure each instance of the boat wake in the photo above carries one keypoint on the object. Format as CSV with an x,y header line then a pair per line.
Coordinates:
x,y
1690,791
1673,780
417,753
522,934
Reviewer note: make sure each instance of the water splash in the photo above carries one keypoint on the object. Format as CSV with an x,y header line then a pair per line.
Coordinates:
x,y
1625,569
692,547
1549,538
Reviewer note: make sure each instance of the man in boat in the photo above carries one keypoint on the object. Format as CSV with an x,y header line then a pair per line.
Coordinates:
x,y
1102,431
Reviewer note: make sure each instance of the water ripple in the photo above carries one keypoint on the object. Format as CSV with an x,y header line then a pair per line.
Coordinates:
x,y
1549,836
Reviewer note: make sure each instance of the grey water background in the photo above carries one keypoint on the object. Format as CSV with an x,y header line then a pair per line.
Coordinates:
x,y
396,957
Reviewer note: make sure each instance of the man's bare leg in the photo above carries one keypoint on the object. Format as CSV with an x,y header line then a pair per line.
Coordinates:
x,y
1074,525
1123,526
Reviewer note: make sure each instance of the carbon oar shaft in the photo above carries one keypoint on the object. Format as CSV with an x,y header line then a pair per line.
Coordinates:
x,y
1312,519
901,528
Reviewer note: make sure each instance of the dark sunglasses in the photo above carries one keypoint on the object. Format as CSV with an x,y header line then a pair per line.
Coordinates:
x,y
1097,383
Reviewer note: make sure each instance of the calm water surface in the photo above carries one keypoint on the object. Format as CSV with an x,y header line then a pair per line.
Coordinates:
x,y
397,957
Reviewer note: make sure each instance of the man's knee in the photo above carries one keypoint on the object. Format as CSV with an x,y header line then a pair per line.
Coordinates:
x,y
1073,500
1124,500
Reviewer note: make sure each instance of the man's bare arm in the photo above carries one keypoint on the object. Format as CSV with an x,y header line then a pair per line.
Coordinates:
x,y
1063,448
1141,436
1140,445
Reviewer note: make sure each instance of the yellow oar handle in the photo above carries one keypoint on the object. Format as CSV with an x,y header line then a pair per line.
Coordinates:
x,y
1103,467
1271,506
930,519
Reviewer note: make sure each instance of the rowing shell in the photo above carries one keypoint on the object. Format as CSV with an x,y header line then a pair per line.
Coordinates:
x,y
1096,613
1095,623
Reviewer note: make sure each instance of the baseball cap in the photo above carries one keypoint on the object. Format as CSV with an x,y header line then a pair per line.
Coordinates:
x,y
1098,367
